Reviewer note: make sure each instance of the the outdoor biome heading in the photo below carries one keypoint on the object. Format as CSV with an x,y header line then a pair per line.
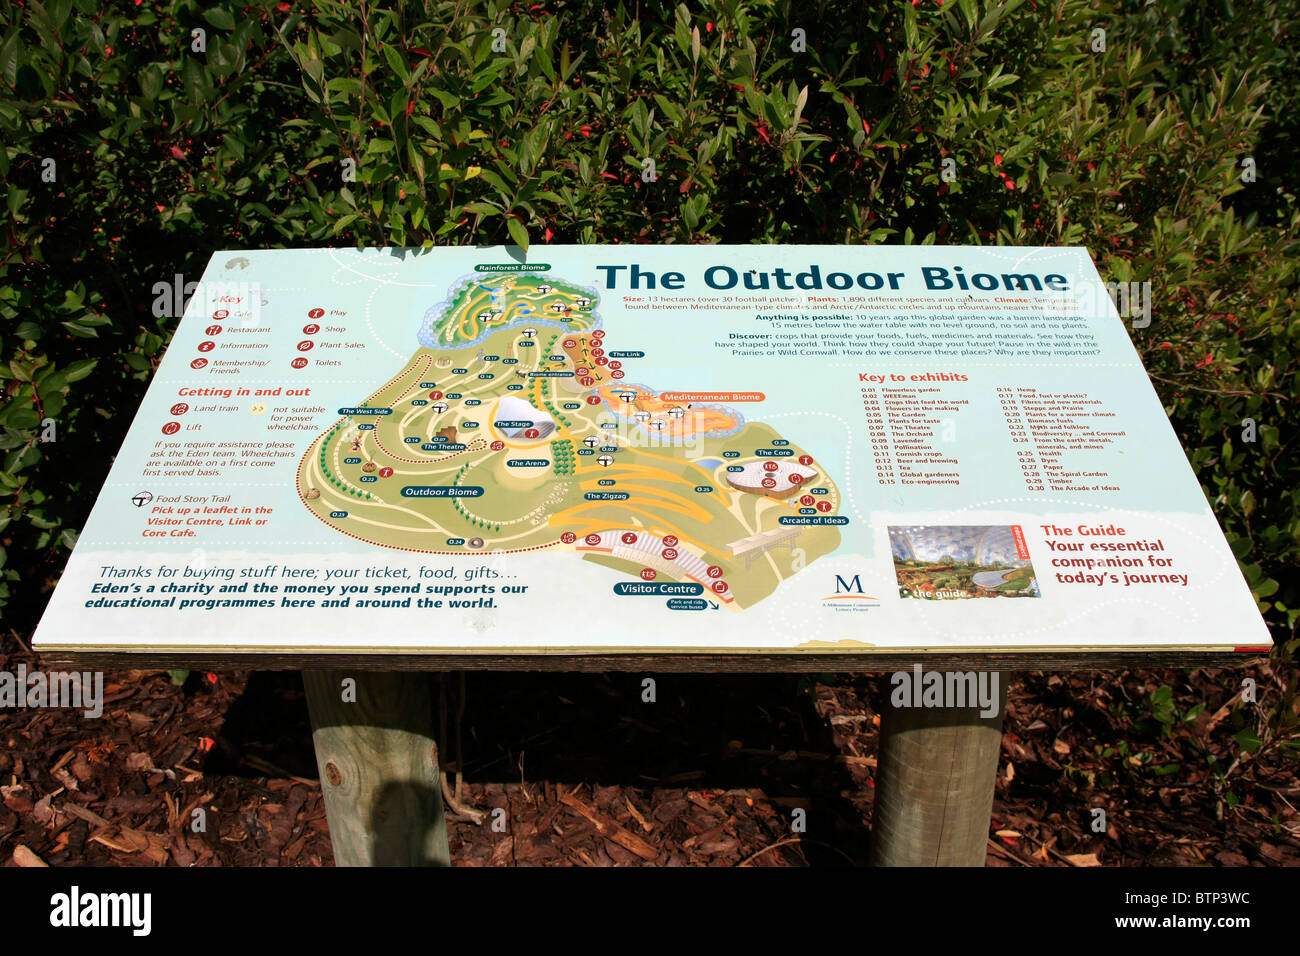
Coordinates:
x,y
935,278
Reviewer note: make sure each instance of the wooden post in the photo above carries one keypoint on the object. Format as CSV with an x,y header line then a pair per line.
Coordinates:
x,y
378,767
934,784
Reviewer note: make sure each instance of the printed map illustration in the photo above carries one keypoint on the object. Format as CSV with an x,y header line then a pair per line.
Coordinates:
x,y
517,426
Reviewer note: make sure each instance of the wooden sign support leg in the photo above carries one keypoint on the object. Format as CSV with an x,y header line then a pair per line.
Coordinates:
x,y
934,784
378,767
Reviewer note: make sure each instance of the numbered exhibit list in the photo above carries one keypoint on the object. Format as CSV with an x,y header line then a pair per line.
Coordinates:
x,y
912,426
1062,441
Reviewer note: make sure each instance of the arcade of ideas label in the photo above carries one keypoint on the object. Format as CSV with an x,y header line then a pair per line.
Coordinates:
x,y
724,449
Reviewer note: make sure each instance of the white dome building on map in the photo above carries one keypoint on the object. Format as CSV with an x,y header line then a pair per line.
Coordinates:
x,y
511,408
775,477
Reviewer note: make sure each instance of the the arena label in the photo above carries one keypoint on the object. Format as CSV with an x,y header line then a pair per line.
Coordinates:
x,y
608,449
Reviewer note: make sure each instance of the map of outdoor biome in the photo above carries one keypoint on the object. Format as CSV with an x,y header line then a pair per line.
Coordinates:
x,y
514,428
698,452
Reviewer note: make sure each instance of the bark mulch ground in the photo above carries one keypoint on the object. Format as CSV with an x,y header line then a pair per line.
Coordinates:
x,y
707,775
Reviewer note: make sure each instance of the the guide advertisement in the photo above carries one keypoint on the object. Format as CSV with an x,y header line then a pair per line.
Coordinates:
x,y
650,448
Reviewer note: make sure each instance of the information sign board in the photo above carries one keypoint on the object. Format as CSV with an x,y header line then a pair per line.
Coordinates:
x,y
631,449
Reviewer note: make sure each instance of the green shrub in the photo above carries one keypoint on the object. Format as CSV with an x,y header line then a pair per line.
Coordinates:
x,y
163,154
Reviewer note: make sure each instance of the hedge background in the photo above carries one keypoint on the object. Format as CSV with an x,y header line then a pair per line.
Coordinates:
x,y
162,153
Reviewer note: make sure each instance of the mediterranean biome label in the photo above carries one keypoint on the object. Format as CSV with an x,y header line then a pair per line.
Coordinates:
x,y
633,448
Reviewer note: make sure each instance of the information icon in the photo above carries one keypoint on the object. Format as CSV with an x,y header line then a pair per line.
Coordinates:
x,y
207,346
